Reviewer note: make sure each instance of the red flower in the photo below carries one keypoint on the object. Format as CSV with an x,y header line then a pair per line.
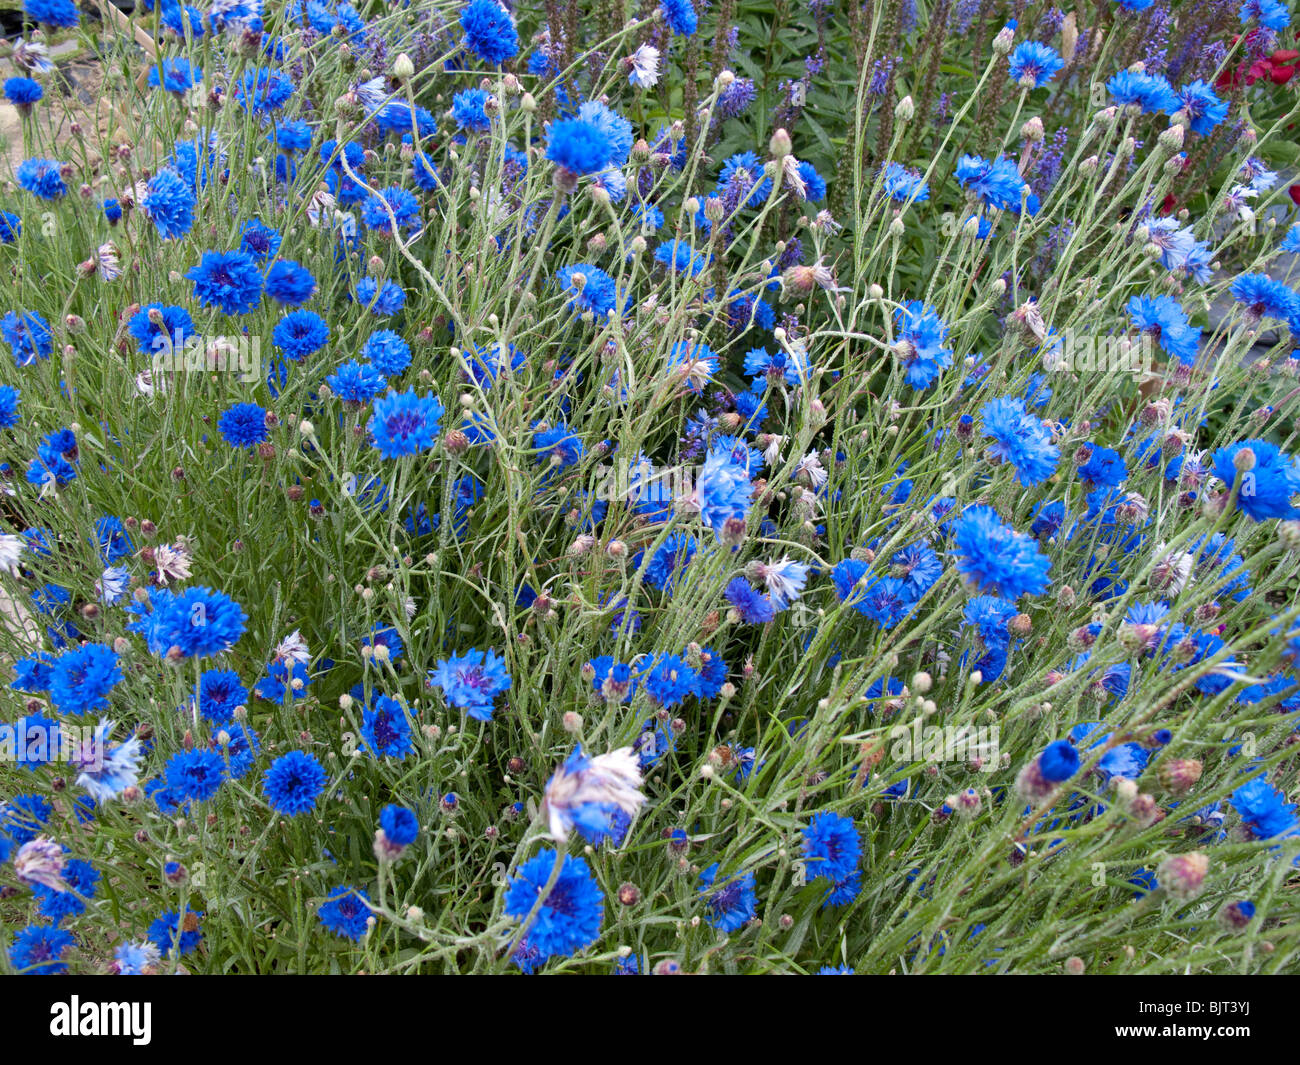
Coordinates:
x,y
1294,192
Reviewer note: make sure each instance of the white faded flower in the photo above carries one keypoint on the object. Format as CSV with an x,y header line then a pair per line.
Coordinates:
x,y
293,649
588,793
793,178
11,549
644,64
811,469
172,562
785,580
40,861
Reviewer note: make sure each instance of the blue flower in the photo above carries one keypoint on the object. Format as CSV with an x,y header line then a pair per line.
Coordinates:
x,y
11,226
82,879
831,846
175,75
289,283
469,110
678,257
243,425
385,729
61,13
357,383
400,202
1034,63
1267,487
387,352
300,333
578,146
9,397
28,336
1264,810
1104,467
733,904
919,346
1163,318
39,950
399,824
23,92
1150,92
345,913
1264,297
229,280
903,184
259,240
997,183
219,692
668,680
405,424
680,16
1020,439
724,491
293,783
197,622
1272,14
195,775
753,606
173,933
597,293
383,300
41,177
489,31
263,91
1059,761
80,679
471,681
571,913
996,558
1202,106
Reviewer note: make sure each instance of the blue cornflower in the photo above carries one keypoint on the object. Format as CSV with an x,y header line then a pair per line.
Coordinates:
x,y
387,352
385,729
831,846
597,292
471,681
489,31
259,240
1150,92
9,397
1265,298
996,558
170,333
680,16
23,92
293,135
175,75
39,950
293,783
1104,467
989,615
1268,486
1020,439
919,346
229,280
290,284
41,177
172,932
1059,761
578,146
1033,65
668,680
678,256
404,208
1202,106
345,913
81,678
673,555
28,336
112,540
998,183
219,692
355,382
61,13
1163,318
469,110
243,425
263,91
723,491
1264,809
195,775
753,606
300,333
399,824
1272,14
557,446
903,184
11,226
382,300
197,622
405,424
733,904
82,879
570,916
